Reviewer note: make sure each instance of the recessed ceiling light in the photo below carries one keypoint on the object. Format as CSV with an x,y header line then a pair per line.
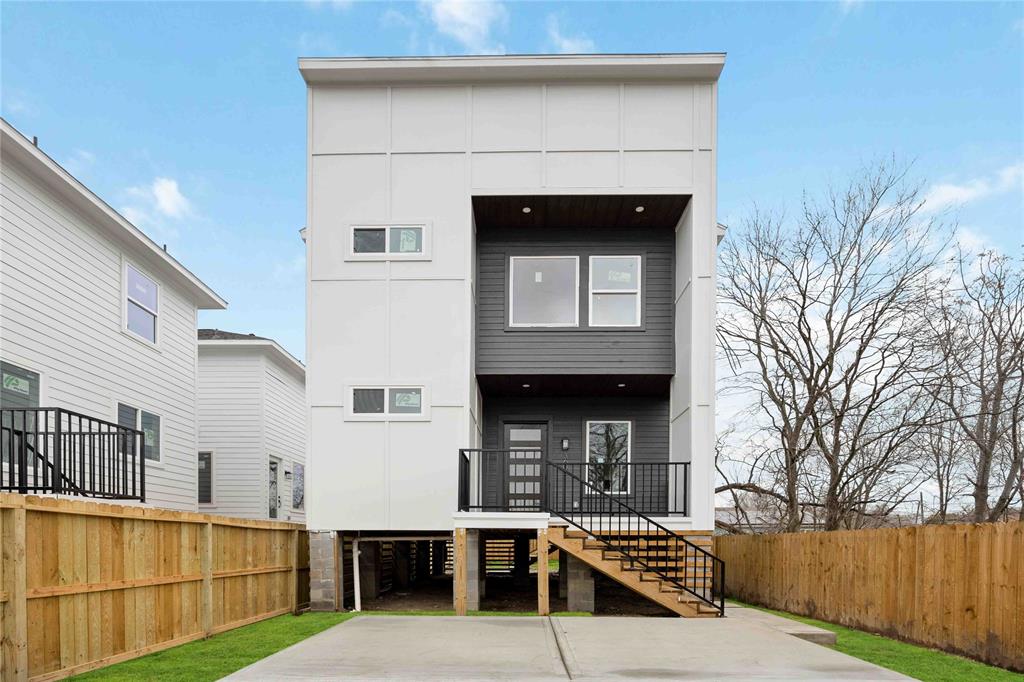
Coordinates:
x,y
622,385
526,385
526,209
639,209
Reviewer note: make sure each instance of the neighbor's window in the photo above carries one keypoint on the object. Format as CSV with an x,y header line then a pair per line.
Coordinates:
x,y
387,401
608,455
148,423
615,291
396,240
544,291
205,477
141,301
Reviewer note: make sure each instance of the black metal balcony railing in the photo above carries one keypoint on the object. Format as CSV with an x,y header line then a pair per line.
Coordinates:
x,y
518,480
52,450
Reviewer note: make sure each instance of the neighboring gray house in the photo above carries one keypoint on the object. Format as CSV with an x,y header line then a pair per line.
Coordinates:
x,y
252,428
98,344
511,313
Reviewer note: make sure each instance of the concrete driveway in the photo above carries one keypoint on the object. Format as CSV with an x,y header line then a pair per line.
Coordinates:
x,y
499,648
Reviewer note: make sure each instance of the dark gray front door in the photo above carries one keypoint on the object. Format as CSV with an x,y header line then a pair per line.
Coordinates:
x,y
526,444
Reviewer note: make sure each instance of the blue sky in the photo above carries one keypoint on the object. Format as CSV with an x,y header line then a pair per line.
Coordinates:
x,y
190,118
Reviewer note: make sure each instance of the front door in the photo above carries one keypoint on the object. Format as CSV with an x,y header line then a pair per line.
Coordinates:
x,y
526,444
275,497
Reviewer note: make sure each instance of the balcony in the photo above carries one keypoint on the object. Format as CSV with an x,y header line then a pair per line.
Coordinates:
x,y
523,481
50,450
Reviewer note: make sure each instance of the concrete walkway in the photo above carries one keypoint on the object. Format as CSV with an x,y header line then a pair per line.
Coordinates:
x,y
502,648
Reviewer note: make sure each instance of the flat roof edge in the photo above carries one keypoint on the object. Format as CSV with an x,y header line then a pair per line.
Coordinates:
x,y
673,66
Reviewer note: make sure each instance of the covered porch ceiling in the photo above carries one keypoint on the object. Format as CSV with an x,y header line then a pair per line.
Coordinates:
x,y
621,211
574,384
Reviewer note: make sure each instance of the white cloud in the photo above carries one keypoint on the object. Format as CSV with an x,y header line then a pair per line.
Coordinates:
x,y
847,6
470,22
943,196
567,44
169,199
79,161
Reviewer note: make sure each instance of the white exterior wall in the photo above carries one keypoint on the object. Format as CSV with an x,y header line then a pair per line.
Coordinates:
x,y
61,316
251,407
418,153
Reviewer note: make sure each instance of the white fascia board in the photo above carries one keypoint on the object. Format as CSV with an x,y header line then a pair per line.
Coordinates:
x,y
269,345
489,69
16,147
502,520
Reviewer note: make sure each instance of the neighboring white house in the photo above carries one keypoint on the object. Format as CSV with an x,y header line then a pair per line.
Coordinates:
x,y
252,427
97,319
518,254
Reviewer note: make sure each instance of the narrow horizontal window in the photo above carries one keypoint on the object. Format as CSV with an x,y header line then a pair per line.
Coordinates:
x,y
368,401
406,240
380,242
405,401
142,297
615,291
544,291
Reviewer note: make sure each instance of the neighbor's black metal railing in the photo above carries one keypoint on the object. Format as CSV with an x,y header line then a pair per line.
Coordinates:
x,y
517,481
640,541
53,450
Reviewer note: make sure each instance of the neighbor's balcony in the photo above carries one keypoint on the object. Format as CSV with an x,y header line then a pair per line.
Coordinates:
x,y
50,450
525,481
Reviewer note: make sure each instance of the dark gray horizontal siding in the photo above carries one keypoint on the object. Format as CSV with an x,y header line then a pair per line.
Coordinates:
x,y
567,418
647,350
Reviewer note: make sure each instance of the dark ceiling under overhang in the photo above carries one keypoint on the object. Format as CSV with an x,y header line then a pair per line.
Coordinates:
x,y
579,211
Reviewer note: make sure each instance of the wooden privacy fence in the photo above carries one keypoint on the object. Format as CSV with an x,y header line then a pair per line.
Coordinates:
x,y
958,588
84,585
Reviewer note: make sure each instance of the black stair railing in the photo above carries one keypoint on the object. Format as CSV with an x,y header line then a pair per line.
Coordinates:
x,y
57,451
608,519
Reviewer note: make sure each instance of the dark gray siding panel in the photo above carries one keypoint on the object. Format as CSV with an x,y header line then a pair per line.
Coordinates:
x,y
647,350
568,416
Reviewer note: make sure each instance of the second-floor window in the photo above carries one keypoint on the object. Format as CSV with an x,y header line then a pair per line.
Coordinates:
x,y
141,304
544,291
383,242
387,401
615,291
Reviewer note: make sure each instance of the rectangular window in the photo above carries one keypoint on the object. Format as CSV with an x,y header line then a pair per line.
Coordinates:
x,y
544,291
148,423
388,240
141,304
387,401
615,291
205,478
608,445
20,387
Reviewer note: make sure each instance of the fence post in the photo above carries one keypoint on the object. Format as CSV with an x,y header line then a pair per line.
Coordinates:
x,y
15,608
295,573
206,568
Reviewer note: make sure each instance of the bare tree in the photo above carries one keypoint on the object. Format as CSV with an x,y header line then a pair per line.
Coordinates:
x,y
978,327
823,317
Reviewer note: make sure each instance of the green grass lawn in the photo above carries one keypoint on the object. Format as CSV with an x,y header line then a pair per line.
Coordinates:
x,y
915,661
223,654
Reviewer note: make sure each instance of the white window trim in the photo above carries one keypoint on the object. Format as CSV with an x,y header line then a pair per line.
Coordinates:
x,y
511,294
158,463
352,415
638,291
213,473
124,305
629,449
387,255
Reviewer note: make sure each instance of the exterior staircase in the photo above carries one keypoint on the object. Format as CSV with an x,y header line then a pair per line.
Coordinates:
x,y
633,549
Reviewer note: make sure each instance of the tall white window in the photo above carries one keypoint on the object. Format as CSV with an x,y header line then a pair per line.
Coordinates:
x,y
141,305
544,291
615,291
608,446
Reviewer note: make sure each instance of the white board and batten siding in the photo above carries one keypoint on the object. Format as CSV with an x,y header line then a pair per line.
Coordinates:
x,y
396,141
62,267
252,407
